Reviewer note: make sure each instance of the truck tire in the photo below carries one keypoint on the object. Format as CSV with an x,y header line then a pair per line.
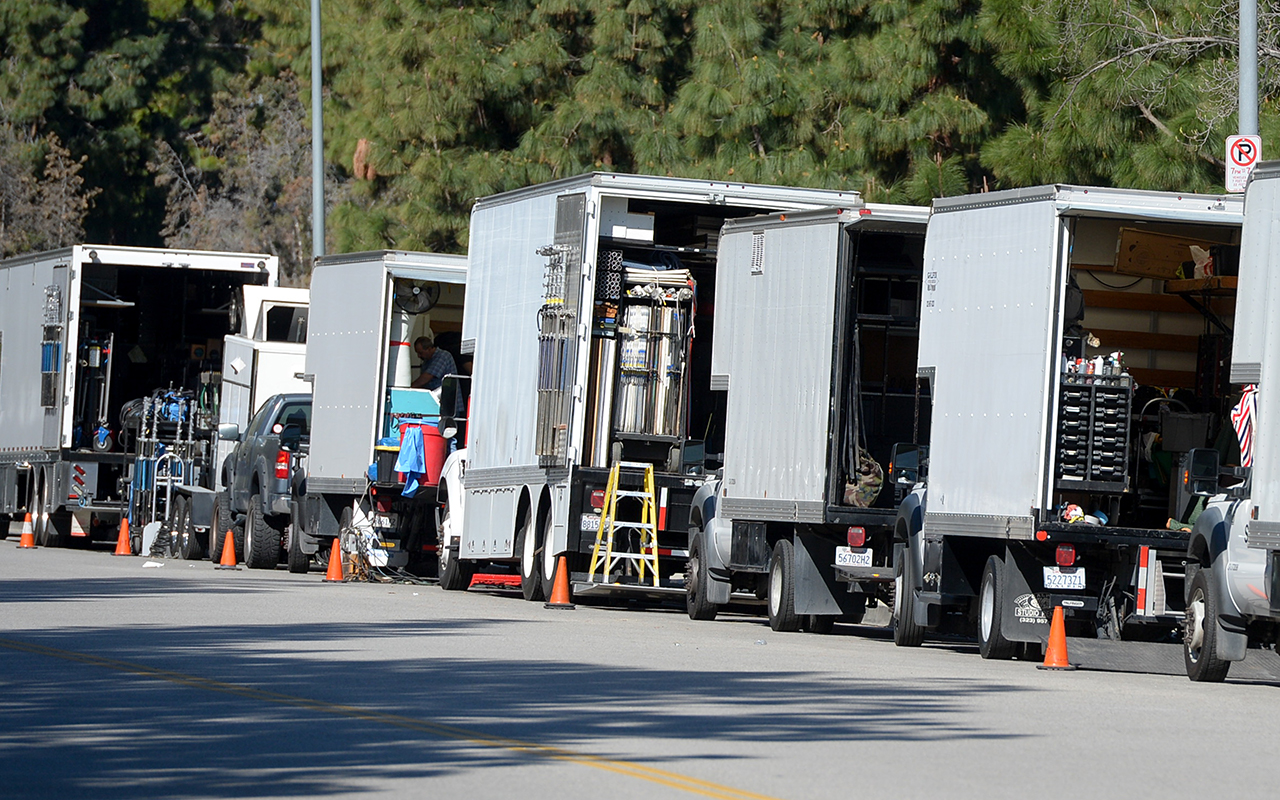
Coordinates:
x,y
820,623
455,574
782,588
548,559
906,633
1200,640
991,641
188,542
299,561
261,540
696,580
530,569
223,521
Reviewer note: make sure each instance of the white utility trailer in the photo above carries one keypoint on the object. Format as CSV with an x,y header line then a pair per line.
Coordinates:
x,y
815,342
108,380
1053,466
590,309
366,310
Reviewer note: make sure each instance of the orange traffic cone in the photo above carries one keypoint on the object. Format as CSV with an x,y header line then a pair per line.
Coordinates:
x,y
228,553
1055,656
28,539
334,574
560,591
123,548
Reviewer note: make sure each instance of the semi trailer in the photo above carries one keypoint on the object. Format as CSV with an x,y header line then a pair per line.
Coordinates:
x,y
815,347
109,376
590,308
1076,343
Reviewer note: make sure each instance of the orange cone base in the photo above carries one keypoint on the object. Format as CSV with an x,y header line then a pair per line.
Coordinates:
x,y
28,539
123,548
1055,655
334,573
228,553
560,591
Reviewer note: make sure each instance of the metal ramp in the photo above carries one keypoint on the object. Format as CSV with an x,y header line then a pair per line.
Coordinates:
x,y
639,568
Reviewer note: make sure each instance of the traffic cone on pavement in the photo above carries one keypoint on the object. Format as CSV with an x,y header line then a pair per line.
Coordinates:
x,y
27,541
228,553
123,548
1055,657
334,574
560,591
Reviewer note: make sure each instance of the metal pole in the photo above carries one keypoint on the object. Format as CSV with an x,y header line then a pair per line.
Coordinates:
x,y
1248,67
317,138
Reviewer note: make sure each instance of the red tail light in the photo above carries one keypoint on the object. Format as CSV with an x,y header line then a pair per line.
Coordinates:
x,y
1065,555
282,464
597,499
856,536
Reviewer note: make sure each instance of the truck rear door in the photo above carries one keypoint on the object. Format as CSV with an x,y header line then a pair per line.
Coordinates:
x,y
346,346
988,332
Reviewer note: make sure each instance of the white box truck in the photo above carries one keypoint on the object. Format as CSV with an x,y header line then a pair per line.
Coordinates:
x,y
366,311
815,342
1076,342
590,309
107,381
1233,557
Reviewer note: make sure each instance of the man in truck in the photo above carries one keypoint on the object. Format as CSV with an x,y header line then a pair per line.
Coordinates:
x,y
436,363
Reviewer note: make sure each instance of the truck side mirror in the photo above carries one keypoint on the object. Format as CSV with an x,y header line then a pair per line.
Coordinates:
x,y
1200,471
454,391
229,432
907,464
291,436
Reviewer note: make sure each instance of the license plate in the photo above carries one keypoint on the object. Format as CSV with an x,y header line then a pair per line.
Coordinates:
x,y
384,521
590,522
1064,577
851,557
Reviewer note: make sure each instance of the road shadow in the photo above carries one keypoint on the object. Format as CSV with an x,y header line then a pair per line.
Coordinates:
x,y
71,729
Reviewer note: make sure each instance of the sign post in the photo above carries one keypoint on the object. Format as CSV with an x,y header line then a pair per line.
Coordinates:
x,y
1243,153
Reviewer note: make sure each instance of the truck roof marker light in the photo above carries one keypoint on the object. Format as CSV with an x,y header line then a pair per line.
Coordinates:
x,y
1042,536
864,212
856,536
782,217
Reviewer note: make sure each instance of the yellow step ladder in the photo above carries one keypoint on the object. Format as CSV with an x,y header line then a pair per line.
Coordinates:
x,y
604,559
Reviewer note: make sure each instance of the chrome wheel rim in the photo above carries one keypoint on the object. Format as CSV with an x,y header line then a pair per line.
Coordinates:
x,y
775,589
988,608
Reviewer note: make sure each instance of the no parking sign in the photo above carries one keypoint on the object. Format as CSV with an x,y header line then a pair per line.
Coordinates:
x,y
1243,153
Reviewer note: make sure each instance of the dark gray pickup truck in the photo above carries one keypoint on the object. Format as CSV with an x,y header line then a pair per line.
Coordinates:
x,y
256,501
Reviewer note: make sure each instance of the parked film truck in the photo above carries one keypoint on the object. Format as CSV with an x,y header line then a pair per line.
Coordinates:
x,y
108,382
815,344
1233,557
590,309
366,311
1076,341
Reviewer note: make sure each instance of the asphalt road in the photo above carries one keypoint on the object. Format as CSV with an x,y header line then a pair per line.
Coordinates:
x,y
119,681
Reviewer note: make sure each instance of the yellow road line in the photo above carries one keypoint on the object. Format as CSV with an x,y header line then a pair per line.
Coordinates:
x,y
672,779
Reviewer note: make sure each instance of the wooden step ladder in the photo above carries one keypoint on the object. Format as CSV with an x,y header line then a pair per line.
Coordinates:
x,y
604,558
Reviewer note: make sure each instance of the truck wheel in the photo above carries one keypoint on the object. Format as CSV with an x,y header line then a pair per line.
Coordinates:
x,y
906,633
223,521
1200,639
696,580
991,641
530,570
548,559
455,574
188,544
261,541
299,562
782,588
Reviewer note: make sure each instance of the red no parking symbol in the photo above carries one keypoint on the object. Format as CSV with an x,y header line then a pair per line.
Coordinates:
x,y
1243,153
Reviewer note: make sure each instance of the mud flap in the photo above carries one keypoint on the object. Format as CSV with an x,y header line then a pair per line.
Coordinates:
x,y
717,590
815,578
1233,637
1026,612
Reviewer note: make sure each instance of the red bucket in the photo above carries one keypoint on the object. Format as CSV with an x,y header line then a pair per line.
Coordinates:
x,y
435,449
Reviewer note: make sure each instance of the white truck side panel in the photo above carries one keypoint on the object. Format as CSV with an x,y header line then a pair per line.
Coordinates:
x,y
346,348
991,371
505,279
776,344
24,424
1256,327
